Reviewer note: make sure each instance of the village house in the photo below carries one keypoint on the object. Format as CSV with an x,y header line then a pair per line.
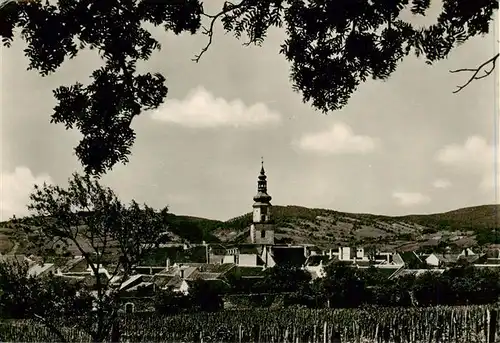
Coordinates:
x,y
347,254
36,267
490,259
246,255
178,276
41,269
436,260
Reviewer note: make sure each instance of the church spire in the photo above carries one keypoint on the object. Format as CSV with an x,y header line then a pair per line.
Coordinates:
x,y
261,228
262,196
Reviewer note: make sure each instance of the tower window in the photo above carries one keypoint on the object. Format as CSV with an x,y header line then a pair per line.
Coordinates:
x,y
263,234
263,218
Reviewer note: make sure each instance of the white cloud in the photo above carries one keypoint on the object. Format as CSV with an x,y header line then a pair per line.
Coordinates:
x,y
408,199
201,109
15,188
441,183
475,157
339,139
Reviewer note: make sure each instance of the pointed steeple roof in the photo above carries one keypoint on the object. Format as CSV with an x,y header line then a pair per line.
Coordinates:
x,y
262,196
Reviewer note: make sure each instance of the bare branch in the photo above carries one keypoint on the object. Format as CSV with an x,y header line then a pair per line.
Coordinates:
x,y
476,71
228,7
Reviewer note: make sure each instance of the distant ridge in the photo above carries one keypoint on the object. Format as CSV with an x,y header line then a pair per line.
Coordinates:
x,y
326,227
485,216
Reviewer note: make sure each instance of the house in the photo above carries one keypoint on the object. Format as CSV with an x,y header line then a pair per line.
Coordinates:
x,y
132,281
77,264
468,256
388,259
149,270
138,286
467,260
99,268
313,250
410,260
467,252
36,268
176,253
41,269
217,252
490,258
348,254
441,260
179,276
382,257
385,263
173,278
288,255
173,283
246,255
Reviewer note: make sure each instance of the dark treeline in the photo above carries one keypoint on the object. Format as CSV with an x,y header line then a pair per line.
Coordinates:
x,y
342,287
346,287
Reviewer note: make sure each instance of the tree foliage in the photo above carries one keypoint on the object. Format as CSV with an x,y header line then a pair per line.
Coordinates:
x,y
350,287
332,46
105,231
170,303
284,278
347,287
206,296
104,109
48,299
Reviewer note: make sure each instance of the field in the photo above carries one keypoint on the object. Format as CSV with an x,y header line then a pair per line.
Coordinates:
x,y
470,324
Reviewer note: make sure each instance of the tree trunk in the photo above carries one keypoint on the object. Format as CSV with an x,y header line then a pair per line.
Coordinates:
x,y
336,338
115,333
493,324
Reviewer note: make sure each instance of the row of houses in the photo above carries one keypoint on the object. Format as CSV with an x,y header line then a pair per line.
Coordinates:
x,y
245,263
251,260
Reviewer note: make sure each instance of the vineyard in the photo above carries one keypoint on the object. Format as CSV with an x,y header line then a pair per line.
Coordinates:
x,y
468,324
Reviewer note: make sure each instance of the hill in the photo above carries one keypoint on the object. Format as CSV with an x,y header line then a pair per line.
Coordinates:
x,y
324,227
486,216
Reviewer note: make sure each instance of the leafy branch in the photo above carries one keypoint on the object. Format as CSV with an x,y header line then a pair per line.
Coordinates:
x,y
228,6
487,67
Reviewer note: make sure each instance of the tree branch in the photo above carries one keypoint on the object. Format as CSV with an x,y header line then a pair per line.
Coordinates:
x,y
476,71
228,7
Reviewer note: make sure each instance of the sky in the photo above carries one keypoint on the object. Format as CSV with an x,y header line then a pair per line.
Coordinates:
x,y
401,146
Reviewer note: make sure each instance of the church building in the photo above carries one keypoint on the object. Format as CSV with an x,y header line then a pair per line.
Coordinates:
x,y
262,228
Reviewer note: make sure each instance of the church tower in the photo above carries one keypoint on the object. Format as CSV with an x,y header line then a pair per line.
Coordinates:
x,y
261,231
